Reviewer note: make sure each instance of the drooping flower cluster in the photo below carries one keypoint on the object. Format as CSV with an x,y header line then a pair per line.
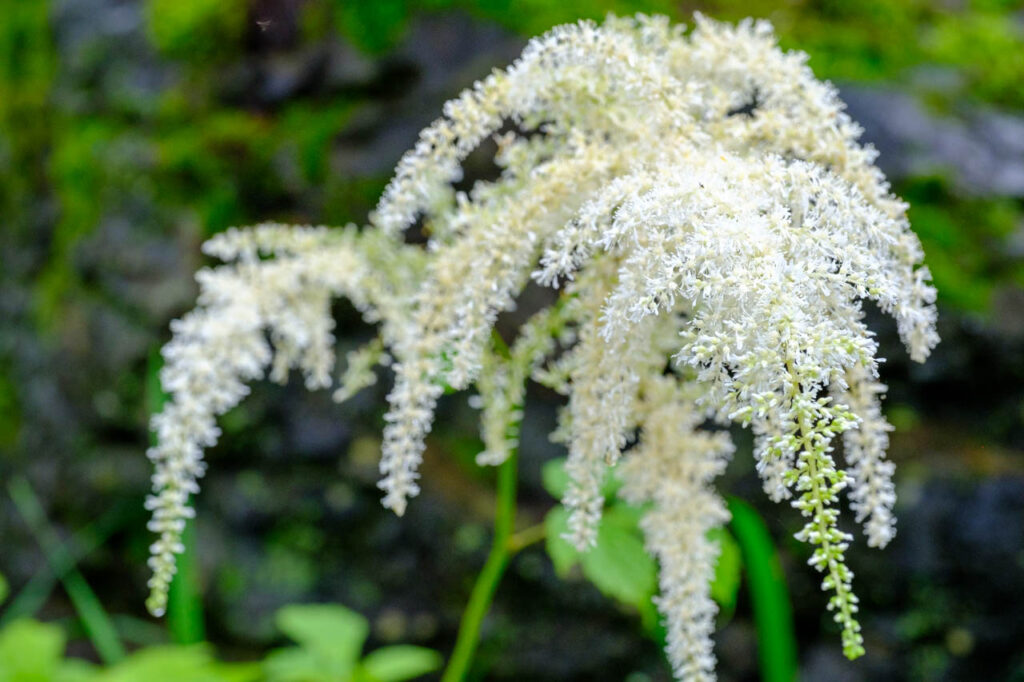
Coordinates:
x,y
701,205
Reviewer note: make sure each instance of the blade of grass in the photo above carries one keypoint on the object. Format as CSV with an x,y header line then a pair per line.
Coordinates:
x,y
184,603
95,620
33,595
773,613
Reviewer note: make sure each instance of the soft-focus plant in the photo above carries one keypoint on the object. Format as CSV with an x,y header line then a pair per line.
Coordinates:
x,y
330,640
709,226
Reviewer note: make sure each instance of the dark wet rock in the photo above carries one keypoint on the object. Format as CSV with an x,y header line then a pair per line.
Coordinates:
x,y
317,432
288,75
960,555
439,56
454,50
105,57
347,69
1008,312
982,150
827,663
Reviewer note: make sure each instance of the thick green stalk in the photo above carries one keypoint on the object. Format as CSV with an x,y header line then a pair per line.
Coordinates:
x,y
773,615
487,582
184,600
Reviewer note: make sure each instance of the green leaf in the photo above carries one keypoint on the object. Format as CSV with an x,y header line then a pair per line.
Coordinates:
x,y
554,477
726,583
295,664
397,663
563,555
77,670
178,663
4,588
773,614
619,565
555,480
373,26
30,651
332,633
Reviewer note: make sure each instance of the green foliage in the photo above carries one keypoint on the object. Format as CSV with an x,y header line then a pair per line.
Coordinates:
x,y
397,663
196,31
728,571
773,615
372,26
33,595
868,40
619,565
87,605
175,663
555,480
30,652
27,67
329,639
966,241
533,17
10,422
877,39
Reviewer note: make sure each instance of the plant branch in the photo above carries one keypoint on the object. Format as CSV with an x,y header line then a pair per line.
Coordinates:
x,y
487,582
522,539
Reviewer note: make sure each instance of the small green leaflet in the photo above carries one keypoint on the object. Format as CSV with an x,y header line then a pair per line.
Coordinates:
x,y
619,565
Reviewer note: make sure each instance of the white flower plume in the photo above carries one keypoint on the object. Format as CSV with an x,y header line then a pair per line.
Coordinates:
x,y
712,226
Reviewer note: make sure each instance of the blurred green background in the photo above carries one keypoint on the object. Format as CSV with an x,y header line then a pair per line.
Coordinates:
x,y
132,130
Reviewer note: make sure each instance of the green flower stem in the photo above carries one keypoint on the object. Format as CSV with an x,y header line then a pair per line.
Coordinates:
x,y
487,582
773,613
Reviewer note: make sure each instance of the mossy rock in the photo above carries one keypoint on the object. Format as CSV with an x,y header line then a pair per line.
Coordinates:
x,y
197,31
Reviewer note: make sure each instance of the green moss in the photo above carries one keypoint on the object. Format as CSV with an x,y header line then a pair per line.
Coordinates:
x,y
964,241
218,168
350,199
80,172
196,31
870,40
373,26
307,130
27,66
10,412
987,48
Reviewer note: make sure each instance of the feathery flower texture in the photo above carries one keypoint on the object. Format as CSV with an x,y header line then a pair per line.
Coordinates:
x,y
711,225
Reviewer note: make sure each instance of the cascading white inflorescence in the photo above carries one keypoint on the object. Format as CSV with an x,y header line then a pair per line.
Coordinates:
x,y
711,225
